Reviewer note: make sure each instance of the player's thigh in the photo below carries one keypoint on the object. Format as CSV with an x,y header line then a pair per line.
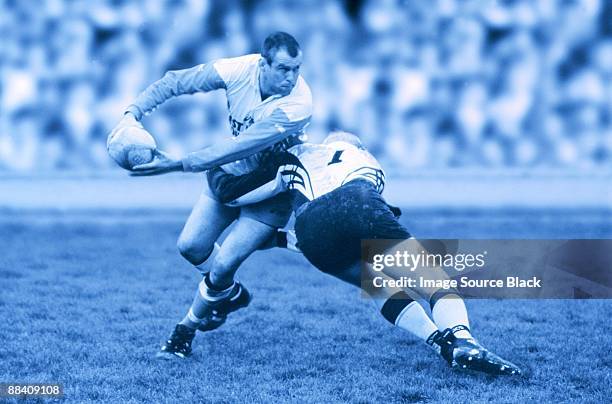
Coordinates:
x,y
274,212
374,285
205,224
362,275
246,236
428,276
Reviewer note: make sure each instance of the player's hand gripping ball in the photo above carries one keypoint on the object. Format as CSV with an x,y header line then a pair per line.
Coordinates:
x,y
131,146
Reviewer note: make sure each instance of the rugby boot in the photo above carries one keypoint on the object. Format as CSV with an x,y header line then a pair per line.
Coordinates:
x,y
179,343
468,354
238,299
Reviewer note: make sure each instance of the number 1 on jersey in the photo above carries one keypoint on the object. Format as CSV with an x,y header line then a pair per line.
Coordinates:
x,y
336,158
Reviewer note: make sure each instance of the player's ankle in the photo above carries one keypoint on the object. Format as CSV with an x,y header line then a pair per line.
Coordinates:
x,y
218,284
189,323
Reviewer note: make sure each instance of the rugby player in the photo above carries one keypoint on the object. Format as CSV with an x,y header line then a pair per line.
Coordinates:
x,y
336,189
269,105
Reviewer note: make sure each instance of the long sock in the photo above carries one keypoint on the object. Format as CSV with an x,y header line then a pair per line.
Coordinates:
x,y
204,302
401,310
448,311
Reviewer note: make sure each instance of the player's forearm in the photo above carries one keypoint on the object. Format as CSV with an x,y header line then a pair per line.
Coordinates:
x,y
258,137
226,151
260,193
200,78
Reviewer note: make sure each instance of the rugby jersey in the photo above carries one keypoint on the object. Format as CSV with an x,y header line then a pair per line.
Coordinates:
x,y
273,124
316,169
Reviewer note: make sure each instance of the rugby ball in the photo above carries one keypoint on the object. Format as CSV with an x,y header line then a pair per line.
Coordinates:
x,y
131,146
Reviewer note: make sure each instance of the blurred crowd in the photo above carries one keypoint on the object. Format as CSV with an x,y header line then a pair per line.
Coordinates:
x,y
426,83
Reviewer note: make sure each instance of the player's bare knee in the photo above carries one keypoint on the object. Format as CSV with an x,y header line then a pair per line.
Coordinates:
x,y
196,255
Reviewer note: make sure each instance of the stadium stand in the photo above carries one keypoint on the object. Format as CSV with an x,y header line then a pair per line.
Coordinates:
x,y
428,84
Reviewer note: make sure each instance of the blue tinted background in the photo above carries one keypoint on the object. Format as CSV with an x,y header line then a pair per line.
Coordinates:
x,y
491,118
513,83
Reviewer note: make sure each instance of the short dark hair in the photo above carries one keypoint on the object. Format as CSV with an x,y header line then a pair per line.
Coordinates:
x,y
279,40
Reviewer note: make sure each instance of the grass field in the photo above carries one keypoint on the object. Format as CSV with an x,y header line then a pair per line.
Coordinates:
x,y
86,299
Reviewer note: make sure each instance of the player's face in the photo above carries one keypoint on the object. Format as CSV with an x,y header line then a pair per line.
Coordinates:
x,y
280,76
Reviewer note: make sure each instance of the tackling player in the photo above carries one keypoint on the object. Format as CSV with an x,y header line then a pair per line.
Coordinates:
x,y
337,190
269,105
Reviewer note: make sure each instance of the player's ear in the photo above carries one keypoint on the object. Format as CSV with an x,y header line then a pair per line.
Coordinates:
x,y
262,62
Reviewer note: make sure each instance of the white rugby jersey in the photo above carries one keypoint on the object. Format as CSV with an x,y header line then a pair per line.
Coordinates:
x,y
319,169
259,124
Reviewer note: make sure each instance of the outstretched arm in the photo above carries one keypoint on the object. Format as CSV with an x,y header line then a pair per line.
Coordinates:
x,y
199,78
174,83
257,137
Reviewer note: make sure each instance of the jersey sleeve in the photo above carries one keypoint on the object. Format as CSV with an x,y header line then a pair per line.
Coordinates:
x,y
234,71
257,137
199,78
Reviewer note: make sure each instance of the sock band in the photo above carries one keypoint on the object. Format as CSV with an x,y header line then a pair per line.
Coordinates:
x,y
432,338
394,306
193,318
211,295
460,327
214,287
441,293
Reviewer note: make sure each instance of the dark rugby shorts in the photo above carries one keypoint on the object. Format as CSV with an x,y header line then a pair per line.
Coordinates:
x,y
225,187
329,229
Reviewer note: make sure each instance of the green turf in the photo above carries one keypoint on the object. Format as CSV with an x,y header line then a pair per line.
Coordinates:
x,y
87,305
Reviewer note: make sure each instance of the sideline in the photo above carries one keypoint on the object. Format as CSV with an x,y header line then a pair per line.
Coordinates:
x,y
460,189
